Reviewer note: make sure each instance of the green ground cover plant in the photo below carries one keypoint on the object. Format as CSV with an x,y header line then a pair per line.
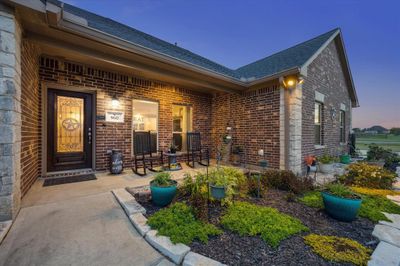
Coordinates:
x,y
371,206
250,219
338,249
179,223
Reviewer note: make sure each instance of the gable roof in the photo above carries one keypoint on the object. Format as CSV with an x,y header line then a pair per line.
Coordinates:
x,y
290,60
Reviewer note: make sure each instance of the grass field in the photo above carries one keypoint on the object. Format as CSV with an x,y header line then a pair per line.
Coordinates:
x,y
386,141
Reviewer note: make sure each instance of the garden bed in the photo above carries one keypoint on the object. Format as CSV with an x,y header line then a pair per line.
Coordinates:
x,y
232,249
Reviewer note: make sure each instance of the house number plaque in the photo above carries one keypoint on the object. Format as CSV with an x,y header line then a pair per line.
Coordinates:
x,y
115,116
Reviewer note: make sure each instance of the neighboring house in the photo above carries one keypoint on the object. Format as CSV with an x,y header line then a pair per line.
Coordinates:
x,y
65,72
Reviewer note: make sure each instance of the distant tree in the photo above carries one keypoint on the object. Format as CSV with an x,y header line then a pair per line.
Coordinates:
x,y
356,130
395,131
378,129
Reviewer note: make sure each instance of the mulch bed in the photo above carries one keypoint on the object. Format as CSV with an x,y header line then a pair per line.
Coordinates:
x,y
232,249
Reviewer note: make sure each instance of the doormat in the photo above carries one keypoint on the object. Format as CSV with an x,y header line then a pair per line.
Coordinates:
x,y
68,179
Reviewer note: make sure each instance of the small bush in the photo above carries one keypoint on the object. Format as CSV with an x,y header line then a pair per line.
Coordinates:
x,y
252,183
197,190
338,249
179,223
234,180
370,176
371,206
287,180
249,219
377,153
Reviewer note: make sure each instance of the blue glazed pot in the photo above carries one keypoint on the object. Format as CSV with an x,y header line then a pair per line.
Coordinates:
x,y
345,159
217,192
341,208
162,196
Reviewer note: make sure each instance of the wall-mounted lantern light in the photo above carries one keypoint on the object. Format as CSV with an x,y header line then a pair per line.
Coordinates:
x,y
114,101
290,82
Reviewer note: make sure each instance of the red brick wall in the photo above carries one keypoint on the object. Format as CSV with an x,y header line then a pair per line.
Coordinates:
x,y
106,84
254,118
31,113
325,75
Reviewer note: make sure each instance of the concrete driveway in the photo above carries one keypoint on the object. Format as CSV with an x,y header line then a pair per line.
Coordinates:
x,y
88,230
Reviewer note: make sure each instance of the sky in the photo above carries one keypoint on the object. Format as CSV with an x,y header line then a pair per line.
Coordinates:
x,y
235,33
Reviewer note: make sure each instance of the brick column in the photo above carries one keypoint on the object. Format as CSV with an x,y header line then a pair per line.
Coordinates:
x,y
10,113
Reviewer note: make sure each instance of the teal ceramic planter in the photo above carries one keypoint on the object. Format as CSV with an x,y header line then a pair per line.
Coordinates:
x,y
345,159
341,208
217,192
162,196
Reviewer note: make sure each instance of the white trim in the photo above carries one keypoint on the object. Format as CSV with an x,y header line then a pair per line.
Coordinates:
x,y
319,147
343,107
319,97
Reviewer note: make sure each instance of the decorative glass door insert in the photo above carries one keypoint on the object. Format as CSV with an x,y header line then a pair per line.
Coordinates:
x,y
70,114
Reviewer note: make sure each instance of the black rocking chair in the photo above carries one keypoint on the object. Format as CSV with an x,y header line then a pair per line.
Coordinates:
x,y
194,150
145,151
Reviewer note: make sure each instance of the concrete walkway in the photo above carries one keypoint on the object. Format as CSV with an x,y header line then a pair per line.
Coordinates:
x,y
90,230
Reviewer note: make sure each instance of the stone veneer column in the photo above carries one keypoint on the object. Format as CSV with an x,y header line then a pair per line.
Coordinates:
x,y
295,129
10,113
294,109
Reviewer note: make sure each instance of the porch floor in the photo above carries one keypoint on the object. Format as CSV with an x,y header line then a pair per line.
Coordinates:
x,y
105,182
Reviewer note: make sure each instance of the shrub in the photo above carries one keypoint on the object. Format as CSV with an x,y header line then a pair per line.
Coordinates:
x,y
377,153
338,249
234,180
197,190
392,162
249,219
252,183
371,206
287,180
179,223
371,176
162,179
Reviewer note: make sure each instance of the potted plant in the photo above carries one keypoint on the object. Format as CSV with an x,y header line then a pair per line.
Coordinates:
x,y
218,184
325,163
236,151
345,158
340,202
173,148
163,189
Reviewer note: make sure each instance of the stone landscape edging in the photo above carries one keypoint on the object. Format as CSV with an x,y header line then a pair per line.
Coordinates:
x,y
178,253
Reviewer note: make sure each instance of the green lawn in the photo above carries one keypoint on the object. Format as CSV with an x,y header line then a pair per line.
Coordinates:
x,y
386,141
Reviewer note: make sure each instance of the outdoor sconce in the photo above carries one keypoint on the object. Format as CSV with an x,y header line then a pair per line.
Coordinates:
x,y
333,113
114,101
290,82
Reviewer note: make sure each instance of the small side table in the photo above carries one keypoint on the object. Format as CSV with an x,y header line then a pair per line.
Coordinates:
x,y
173,165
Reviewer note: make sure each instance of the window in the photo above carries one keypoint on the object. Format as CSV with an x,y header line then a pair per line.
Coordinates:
x,y
145,118
181,124
318,123
342,127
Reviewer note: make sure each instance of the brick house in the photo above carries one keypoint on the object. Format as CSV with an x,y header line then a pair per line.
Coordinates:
x,y
75,85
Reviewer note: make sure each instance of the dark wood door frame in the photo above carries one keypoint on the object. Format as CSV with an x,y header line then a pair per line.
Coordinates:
x,y
70,161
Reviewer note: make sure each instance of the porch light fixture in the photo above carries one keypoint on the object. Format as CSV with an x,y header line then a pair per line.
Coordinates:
x,y
114,101
290,82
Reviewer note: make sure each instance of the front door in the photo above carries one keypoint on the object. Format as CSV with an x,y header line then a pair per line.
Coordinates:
x,y
69,130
